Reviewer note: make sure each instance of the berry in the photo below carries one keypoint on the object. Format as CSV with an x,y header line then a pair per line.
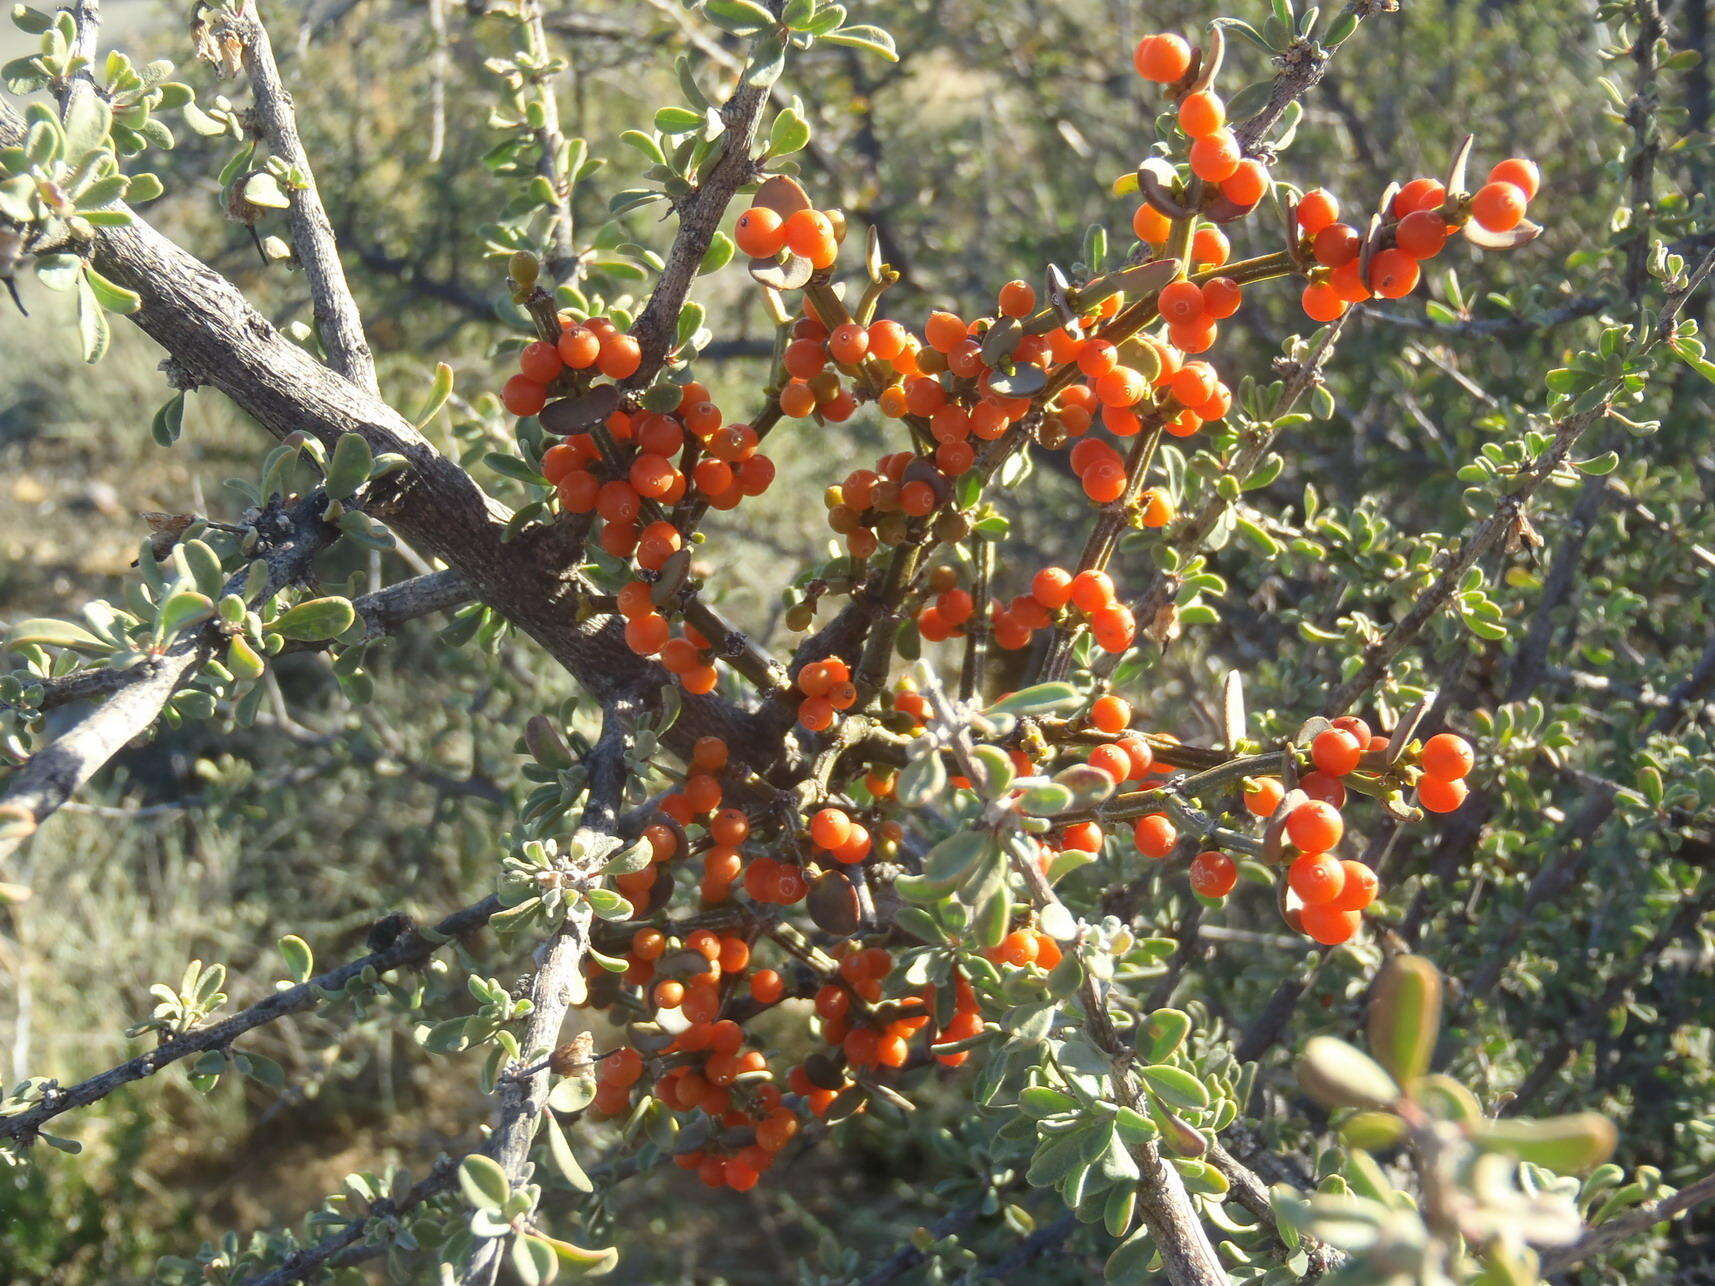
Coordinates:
x,y
1521,173
1248,184
1317,210
1154,835
1315,827
1264,797
810,235
540,362
1447,756
1201,114
760,233
1316,877
1321,303
1393,274
1358,891
1499,206
522,395
1215,157
1180,301
1110,714
1017,299
1336,751
1163,59
1213,874
1421,234
1328,926
1439,795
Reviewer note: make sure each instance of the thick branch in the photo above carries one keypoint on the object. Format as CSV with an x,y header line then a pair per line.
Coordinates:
x,y
1606,1236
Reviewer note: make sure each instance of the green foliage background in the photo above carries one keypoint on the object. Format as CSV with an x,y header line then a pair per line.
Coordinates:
x,y
984,154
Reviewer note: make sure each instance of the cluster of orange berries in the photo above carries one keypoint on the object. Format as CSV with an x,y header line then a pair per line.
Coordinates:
x,y
1422,217
762,233
1215,155
713,984
595,346
827,690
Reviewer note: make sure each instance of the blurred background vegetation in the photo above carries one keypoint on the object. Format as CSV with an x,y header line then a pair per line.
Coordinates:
x,y
983,154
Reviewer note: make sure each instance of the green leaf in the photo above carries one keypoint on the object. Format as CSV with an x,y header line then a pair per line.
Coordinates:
x,y
738,16
1564,1144
1043,698
87,122
263,189
1162,1033
1174,1086
678,120
586,1263
348,468
184,609
561,1151
1405,1017
92,325
533,1260
1336,1074
44,632
315,620
789,133
300,960
483,1182
873,39
609,905
143,188
440,389
169,421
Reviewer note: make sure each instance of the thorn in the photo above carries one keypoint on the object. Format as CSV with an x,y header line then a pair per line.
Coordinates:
x,y
12,290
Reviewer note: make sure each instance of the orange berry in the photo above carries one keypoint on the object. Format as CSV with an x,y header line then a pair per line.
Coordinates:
x,y
945,331
540,362
1209,246
1201,114
1316,877
760,232
1150,226
1110,714
1328,926
1052,587
1215,157
810,235
1265,797
522,395
1321,302
1447,756
1221,297
1419,194
1213,874
1336,751
1358,891
1017,299
1158,508
1018,948
1163,58
1393,274
1521,173
1336,244
1317,210
848,343
1092,590
1499,206
579,347
1180,301
1421,234
1248,184
1314,826
830,828
1155,835
1439,795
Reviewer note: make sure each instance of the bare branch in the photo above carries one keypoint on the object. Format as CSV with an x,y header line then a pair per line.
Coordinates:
x,y
51,776
410,947
523,1097
1606,1236
337,318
